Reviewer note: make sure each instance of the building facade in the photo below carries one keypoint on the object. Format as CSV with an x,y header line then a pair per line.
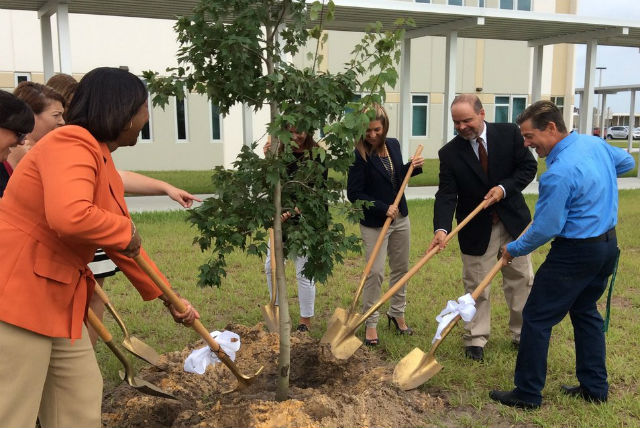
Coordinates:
x,y
192,135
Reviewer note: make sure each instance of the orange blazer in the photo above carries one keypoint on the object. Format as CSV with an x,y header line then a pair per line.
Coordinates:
x,y
65,199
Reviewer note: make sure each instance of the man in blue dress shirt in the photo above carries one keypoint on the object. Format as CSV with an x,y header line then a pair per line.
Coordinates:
x,y
578,206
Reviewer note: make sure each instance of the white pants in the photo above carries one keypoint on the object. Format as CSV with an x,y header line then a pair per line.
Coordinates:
x,y
306,286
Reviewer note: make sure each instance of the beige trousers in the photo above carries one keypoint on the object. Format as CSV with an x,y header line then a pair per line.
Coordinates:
x,y
517,279
49,378
395,245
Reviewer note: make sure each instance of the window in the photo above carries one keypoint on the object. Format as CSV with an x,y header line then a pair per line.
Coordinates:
x,y
181,120
423,1
480,3
559,102
454,2
516,4
419,115
145,132
21,77
507,108
216,130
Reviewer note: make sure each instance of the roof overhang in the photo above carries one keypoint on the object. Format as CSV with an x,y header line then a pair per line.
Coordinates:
x,y
430,19
611,89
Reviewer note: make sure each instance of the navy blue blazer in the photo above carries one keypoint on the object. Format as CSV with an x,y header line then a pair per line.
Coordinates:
x,y
368,180
463,185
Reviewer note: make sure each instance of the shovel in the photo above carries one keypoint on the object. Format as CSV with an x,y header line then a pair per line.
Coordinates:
x,y
131,343
270,312
341,334
243,380
417,367
346,317
129,374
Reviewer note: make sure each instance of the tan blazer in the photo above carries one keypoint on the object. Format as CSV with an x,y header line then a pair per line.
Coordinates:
x,y
64,200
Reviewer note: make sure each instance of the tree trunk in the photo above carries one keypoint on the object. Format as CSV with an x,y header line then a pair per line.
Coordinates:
x,y
284,360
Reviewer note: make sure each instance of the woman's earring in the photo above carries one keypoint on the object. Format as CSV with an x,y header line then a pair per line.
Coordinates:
x,y
130,125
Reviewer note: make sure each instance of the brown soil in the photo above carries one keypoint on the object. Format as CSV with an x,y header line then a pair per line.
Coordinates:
x,y
324,392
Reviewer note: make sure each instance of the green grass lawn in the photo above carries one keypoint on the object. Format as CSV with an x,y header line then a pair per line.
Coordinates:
x,y
464,385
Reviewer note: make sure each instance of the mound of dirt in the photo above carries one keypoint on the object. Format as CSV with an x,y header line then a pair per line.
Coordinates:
x,y
324,392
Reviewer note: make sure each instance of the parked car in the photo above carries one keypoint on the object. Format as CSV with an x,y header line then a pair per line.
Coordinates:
x,y
636,133
614,132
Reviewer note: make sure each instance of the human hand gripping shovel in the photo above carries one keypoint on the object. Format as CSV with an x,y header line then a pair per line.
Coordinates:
x,y
129,373
243,380
341,335
131,343
342,316
271,312
417,367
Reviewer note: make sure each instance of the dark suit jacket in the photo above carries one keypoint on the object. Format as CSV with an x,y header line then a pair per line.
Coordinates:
x,y
369,181
463,185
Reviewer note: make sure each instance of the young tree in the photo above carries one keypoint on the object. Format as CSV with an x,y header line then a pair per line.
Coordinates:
x,y
234,51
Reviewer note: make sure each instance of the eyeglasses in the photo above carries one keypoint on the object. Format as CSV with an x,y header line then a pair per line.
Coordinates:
x,y
20,136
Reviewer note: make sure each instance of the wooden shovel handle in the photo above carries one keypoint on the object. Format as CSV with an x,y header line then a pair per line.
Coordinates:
x,y
476,293
383,232
98,326
177,302
394,289
101,294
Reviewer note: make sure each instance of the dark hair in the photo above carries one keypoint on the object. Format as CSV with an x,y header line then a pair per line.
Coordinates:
x,y
105,102
363,147
37,95
64,84
15,114
541,113
471,99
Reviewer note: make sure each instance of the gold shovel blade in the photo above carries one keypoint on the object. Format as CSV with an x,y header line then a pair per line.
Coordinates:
x,y
342,338
339,315
271,316
144,387
141,350
415,369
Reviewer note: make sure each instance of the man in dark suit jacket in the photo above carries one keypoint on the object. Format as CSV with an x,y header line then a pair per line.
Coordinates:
x,y
485,161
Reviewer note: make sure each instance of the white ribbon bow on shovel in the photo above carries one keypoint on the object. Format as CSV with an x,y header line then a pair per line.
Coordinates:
x,y
465,307
199,359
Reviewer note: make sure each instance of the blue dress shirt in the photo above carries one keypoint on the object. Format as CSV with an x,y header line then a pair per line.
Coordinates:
x,y
578,194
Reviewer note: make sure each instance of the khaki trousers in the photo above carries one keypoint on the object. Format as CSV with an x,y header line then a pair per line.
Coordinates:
x,y
49,378
517,279
395,245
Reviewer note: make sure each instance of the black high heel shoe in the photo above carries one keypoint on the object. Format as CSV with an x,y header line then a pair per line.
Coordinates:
x,y
408,331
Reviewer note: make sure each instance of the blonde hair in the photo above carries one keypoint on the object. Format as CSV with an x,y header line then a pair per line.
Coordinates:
x,y
362,146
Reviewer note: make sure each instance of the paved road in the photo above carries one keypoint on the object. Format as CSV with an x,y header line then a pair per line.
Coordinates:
x,y
164,203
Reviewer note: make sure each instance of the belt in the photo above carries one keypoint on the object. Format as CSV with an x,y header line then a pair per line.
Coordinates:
x,y
607,236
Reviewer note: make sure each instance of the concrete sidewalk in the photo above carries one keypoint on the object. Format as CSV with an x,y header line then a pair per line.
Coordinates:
x,y
139,204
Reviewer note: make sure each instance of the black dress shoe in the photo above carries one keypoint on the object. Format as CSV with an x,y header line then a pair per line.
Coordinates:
x,y
302,327
475,353
508,398
579,391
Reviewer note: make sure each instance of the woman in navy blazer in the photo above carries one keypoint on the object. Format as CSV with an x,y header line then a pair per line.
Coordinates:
x,y
376,176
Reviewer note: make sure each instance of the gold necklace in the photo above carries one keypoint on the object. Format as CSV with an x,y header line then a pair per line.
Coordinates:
x,y
389,167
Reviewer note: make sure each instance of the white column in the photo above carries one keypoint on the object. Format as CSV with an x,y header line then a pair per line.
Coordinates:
x,y
64,38
47,46
536,84
405,98
632,119
247,125
586,103
449,85
603,115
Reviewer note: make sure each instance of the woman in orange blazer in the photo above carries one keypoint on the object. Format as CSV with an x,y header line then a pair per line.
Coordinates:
x,y
64,200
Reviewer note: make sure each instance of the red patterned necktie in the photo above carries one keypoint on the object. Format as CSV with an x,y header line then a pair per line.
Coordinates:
x,y
482,154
